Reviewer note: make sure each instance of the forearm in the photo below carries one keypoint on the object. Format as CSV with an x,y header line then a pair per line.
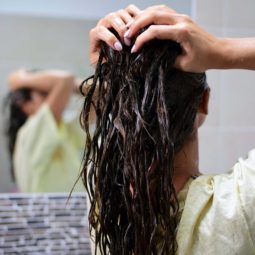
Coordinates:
x,y
59,95
42,80
238,53
58,85
47,80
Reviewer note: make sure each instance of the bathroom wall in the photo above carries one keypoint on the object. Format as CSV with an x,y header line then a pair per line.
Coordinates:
x,y
38,42
229,132
82,8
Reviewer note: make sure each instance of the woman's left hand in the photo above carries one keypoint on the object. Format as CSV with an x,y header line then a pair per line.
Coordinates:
x,y
116,20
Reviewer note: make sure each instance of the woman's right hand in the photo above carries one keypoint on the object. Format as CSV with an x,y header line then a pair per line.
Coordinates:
x,y
116,20
199,47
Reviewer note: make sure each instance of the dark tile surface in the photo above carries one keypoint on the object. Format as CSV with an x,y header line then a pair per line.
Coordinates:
x,y
46,223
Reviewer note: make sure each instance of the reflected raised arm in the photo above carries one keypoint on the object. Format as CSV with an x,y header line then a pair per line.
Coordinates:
x,y
58,85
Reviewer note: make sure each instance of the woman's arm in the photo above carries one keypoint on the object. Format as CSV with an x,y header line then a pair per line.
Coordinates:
x,y
58,85
238,53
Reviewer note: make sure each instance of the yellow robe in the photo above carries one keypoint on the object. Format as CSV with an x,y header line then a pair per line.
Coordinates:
x,y
219,213
47,156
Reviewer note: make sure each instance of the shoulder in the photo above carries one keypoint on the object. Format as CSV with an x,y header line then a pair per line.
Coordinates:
x,y
237,187
232,200
219,212
239,181
39,122
43,115
244,179
39,131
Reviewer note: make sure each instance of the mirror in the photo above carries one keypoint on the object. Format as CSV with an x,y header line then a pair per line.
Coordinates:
x,y
41,42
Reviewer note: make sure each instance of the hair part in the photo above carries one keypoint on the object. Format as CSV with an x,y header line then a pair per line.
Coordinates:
x,y
145,111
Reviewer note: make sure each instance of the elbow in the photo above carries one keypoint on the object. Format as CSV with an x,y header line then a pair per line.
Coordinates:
x,y
68,82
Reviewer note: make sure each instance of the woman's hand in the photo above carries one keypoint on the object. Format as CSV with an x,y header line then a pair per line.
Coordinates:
x,y
116,20
200,49
17,79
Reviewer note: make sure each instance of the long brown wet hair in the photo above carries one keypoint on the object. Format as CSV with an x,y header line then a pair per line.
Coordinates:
x,y
145,111
15,118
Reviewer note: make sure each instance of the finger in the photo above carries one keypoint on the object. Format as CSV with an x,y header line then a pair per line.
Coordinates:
x,y
162,32
97,35
180,63
113,20
116,22
125,16
147,18
101,33
133,10
93,58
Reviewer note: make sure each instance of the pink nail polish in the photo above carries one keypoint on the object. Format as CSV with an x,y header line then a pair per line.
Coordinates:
x,y
133,50
118,46
127,41
126,33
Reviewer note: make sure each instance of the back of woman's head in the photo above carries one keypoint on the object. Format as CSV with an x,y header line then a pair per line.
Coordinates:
x,y
15,117
145,112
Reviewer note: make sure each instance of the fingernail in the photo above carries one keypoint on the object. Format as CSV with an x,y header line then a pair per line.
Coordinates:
x,y
118,46
127,41
129,23
133,50
126,34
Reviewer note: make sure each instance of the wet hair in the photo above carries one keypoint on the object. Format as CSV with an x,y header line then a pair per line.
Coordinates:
x,y
15,118
145,112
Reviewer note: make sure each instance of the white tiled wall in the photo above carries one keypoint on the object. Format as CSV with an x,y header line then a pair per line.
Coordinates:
x,y
229,132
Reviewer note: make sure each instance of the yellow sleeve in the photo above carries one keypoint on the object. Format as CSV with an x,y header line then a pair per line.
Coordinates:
x,y
245,177
36,142
78,134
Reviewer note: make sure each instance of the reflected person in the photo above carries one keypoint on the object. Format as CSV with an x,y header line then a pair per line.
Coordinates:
x,y
45,148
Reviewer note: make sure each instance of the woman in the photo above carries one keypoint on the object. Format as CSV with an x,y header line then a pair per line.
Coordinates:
x,y
147,195
46,149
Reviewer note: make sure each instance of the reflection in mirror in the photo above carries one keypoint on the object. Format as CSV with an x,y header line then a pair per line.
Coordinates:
x,y
33,43
44,146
